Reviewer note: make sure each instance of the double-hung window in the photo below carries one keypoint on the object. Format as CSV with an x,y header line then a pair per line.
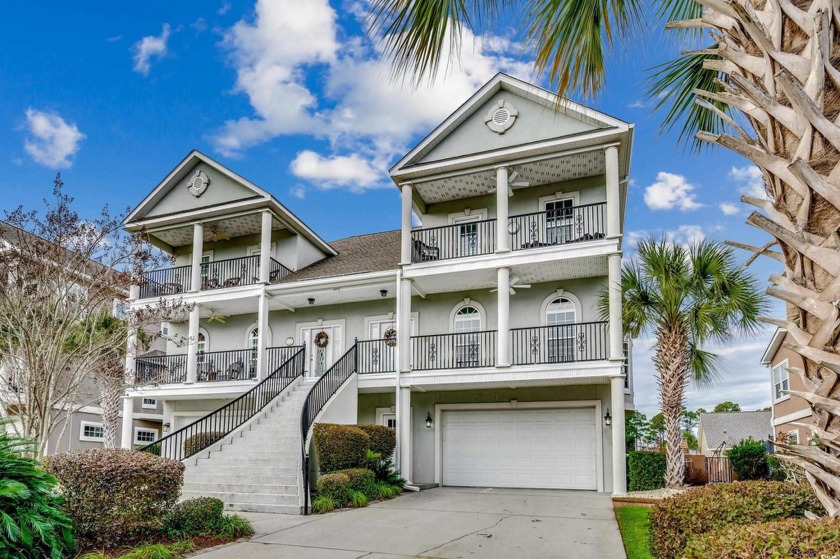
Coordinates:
x,y
781,380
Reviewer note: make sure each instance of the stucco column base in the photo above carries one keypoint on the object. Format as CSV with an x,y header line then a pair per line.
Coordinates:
x,y
127,435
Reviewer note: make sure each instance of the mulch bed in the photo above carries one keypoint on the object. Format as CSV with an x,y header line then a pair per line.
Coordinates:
x,y
201,543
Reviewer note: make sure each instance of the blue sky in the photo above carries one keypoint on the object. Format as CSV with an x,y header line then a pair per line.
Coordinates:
x,y
293,96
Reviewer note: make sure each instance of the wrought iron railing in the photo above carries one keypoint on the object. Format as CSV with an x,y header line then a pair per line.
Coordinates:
x,y
585,341
166,281
237,364
277,271
454,241
454,351
320,393
198,435
377,356
276,356
231,272
162,369
558,227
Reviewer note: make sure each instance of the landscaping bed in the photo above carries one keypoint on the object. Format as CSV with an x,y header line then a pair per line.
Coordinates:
x,y
634,524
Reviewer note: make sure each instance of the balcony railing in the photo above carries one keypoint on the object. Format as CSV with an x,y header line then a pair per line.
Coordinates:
x,y
586,341
377,356
539,229
163,369
166,281
454,351
230,273
558,227
216,366
276,356
277,271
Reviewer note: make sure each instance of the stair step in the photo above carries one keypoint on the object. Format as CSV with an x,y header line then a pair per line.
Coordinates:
x,y
252,478
240,487
255,498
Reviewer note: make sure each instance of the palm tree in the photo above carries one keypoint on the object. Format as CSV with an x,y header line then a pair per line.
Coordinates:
x,y
765,85
688,296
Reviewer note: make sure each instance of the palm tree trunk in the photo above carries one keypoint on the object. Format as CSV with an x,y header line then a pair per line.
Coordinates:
x,y
671,361
779,67
111,393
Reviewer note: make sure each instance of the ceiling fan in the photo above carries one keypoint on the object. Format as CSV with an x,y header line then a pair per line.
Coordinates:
x,y
514,285
220,318
217,234
512,182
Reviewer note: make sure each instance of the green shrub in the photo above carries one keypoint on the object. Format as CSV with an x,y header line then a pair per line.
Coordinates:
x,y
336,486
116,497
160,551
339,447
748,459
385,491
383,440
358,499
200,441
233,527
675,521
361,480
194,517
323,504
794,539
645,470
32,522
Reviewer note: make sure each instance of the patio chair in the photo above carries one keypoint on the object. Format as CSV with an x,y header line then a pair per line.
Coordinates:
x,y
235,371
424,252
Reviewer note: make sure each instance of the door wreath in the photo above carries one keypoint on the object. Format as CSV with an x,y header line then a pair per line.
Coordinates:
x,y
390,337
321,339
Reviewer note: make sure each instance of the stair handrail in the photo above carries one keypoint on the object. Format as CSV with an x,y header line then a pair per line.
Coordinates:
x,y
320,393
187,441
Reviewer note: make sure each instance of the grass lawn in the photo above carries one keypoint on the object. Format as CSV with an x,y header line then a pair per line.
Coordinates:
x,y
634,525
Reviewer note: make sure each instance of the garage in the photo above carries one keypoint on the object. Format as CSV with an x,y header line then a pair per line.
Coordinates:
x,y
550,448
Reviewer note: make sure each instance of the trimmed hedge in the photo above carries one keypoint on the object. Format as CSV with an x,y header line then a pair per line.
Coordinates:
x,y
339,447
116,497
200,441
795,539
194,517
335,486
383,440
748,459
676,521
362,480
646,470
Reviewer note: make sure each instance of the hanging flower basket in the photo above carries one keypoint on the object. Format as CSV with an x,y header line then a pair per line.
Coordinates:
x,y
390,337
321,339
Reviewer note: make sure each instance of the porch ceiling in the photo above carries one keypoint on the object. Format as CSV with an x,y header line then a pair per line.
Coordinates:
x,y
216,230
332,295
536,173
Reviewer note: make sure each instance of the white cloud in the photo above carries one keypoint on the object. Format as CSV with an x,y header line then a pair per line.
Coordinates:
x,y
686,235
113,39
335,171
52,141
298,191
728,208
671,191
750,179
148,47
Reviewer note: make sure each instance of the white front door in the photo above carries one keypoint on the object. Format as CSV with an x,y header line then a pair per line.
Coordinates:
x,y
529,448
320,359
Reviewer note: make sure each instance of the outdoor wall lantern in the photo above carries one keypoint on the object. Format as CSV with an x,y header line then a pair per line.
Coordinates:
x,y
166,427
383,292
608,418
311,300
428,420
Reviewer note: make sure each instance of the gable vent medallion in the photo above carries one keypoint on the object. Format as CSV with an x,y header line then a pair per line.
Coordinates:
x,y
501,117
198,183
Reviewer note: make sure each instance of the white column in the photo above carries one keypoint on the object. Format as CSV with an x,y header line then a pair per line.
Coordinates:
x,y
198,249
613,197
262,337
192,356
405,250
265,247
404,433
619,467
503,340
127,436
502,238
404,326
615,323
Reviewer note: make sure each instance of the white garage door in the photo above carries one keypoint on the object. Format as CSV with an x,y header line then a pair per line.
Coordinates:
x,y
534,448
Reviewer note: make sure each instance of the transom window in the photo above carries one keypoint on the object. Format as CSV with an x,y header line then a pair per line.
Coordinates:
x,y
560,319
781,380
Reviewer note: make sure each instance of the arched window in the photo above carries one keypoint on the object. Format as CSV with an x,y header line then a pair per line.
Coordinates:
x,y
466,323
560,320
254,346
201,345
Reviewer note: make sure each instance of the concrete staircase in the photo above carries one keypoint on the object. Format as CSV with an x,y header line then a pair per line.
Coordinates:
x,y
257,467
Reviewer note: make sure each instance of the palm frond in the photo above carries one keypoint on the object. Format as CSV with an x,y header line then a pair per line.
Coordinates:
x,y
702,366
678,10
674,84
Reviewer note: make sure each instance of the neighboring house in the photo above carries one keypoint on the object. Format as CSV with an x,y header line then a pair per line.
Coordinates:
x,y
717,432
477,335
788,410
84,428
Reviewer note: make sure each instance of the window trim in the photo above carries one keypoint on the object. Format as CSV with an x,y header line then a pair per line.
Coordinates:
x,y
88,439
557,196
467,216
468,303
147,430
146,406
795,433
556,295
773,383
250,329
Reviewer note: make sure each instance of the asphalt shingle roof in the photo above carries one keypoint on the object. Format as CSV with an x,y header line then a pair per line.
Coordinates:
x,y
375,252
734,427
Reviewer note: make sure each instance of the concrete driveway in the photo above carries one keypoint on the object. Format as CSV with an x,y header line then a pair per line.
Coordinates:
x,y
444,523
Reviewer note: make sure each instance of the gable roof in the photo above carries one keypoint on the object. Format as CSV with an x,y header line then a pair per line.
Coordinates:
x,y
254,197
732,428
503,82
374,252
773,346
